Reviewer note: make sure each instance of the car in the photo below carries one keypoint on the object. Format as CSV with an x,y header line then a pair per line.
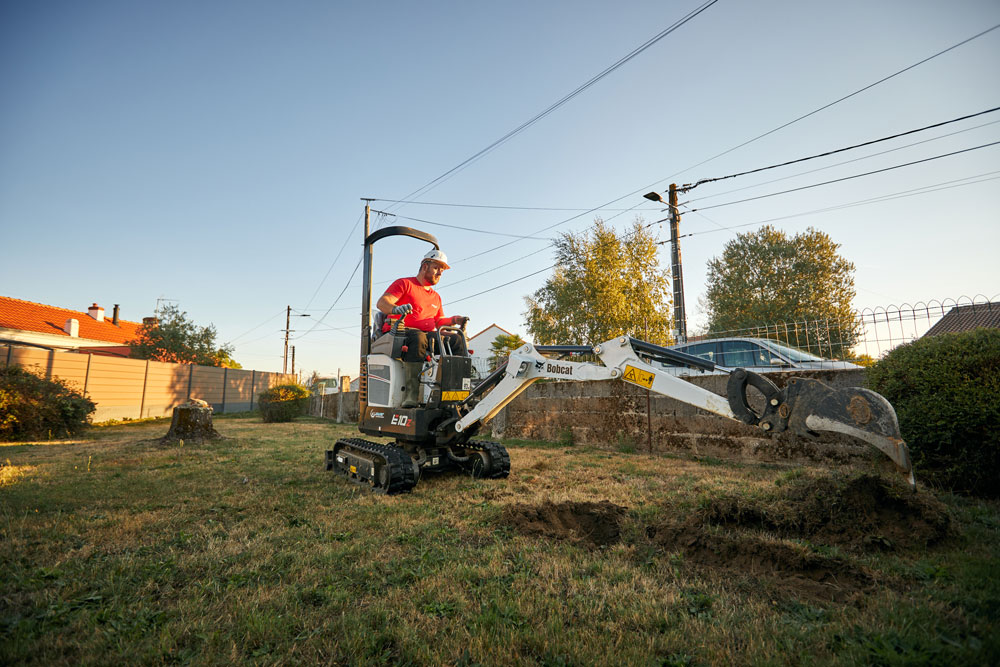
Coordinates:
x,y
760,355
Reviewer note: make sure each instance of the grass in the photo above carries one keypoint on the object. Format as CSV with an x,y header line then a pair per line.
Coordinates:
x,y
116,549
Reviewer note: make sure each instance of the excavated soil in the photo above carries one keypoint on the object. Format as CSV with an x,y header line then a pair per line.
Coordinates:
x,y
858,514
862,513
591,524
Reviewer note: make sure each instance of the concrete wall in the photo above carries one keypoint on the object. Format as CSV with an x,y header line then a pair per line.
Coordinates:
x,y
614,415
133,388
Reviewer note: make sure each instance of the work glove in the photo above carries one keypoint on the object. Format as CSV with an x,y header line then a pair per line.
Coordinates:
x,y
404,309
459,320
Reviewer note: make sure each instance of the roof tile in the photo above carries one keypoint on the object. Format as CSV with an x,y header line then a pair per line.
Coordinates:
x,y
29,316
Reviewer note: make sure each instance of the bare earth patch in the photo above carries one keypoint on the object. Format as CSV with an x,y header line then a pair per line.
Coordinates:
x,y
864,513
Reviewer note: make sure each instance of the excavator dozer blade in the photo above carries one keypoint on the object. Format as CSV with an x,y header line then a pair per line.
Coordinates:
x,y
808,407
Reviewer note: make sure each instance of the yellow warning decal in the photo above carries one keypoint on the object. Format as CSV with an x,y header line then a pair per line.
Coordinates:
x,y
354,470
454,395
638,376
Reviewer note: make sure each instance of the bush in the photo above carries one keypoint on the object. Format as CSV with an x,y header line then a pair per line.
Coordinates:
x,y
284,402
33,408
946,391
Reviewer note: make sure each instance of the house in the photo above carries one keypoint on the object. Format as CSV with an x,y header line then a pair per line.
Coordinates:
x,y
50,327
481,347
967,318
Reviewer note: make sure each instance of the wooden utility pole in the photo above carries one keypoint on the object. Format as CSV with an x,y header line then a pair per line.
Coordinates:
x,y
676,273
288,326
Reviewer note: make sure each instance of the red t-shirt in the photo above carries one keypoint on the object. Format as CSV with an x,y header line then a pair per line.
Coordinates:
x,y
427,313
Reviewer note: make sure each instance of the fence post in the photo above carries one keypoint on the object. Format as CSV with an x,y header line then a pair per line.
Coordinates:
x,y
86,374
145,382
225,383
253,387
190,380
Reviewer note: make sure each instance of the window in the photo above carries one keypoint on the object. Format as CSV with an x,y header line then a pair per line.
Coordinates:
x,y
703,350
744,354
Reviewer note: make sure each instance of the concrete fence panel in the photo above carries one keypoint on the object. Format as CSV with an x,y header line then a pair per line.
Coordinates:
x,y
133,388
209,384
116,386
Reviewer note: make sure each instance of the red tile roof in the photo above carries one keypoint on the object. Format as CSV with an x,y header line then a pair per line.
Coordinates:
x,y
28,316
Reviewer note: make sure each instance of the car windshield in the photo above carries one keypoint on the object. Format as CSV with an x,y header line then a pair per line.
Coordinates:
x,y
793,354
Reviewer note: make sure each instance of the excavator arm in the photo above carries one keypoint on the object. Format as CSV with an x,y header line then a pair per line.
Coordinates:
x,y
806,407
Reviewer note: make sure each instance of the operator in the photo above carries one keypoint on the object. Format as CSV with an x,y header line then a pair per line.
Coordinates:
x,y
418,303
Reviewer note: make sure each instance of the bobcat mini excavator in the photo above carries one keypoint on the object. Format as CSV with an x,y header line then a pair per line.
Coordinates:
x,y
439,434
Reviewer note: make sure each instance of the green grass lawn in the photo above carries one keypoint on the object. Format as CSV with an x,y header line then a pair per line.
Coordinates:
x,y
114,549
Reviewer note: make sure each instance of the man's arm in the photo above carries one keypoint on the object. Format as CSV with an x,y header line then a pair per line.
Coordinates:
x,y
386,303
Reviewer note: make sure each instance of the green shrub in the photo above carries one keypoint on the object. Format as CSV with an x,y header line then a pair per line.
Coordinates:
x,y
284,402
946,391
33,408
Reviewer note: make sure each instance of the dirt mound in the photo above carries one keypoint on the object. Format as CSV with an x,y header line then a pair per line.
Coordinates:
x,y
861,513
595,524
790,568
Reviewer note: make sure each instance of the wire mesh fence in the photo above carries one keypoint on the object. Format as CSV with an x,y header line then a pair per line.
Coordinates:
x,y
874,331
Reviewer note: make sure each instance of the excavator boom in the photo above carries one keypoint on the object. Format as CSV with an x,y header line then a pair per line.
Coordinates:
x,y
806,407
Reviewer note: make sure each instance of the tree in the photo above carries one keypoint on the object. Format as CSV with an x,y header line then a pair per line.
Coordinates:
x,y
603,286
765,277
501,348
175,339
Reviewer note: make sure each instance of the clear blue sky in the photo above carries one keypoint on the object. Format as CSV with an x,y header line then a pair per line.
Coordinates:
x,y
216,153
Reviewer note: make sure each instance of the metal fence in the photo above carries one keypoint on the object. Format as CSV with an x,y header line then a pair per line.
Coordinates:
x,y
873,331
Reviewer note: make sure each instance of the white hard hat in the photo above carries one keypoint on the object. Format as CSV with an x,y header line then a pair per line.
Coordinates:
x,y
437,256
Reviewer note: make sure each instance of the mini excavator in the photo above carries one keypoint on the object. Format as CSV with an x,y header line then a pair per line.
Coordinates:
x,y
439,434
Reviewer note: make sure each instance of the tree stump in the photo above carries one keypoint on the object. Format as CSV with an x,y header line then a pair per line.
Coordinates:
x,y
192,422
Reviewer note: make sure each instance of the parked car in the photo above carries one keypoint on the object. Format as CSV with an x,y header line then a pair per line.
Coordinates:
x,y
756,354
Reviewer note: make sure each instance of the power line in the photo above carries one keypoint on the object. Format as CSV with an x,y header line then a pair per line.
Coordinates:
x,y
846,178
495,207
837,101
342,248
465,229
593,80
946,185
840,164
840,150
233,340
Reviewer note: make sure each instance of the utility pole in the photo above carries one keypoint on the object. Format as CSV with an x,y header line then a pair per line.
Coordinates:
x,y
288,326
676,272
293,360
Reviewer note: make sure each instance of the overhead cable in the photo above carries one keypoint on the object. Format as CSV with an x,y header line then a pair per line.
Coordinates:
x,y
837,101
465,229
840,150
927,189
846,178
593,80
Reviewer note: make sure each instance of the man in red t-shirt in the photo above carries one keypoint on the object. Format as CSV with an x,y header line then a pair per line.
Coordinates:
x,y
415,299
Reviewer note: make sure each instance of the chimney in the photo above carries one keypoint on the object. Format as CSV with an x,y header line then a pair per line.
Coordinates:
x,y
72,327
96,312
114,319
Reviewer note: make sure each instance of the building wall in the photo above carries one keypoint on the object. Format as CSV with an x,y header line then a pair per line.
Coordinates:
x,y
134,389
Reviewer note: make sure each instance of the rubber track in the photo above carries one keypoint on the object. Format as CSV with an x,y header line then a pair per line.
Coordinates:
x,y
402,478
499,458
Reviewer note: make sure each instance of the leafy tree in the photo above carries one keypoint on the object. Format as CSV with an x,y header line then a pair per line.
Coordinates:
x,y
765,277
604,285
175,339
501,348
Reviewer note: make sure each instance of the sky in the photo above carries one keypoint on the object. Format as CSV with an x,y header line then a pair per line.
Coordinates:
x,y
215,155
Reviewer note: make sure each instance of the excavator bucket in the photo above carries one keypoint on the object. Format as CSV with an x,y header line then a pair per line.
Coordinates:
x,y
808,407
